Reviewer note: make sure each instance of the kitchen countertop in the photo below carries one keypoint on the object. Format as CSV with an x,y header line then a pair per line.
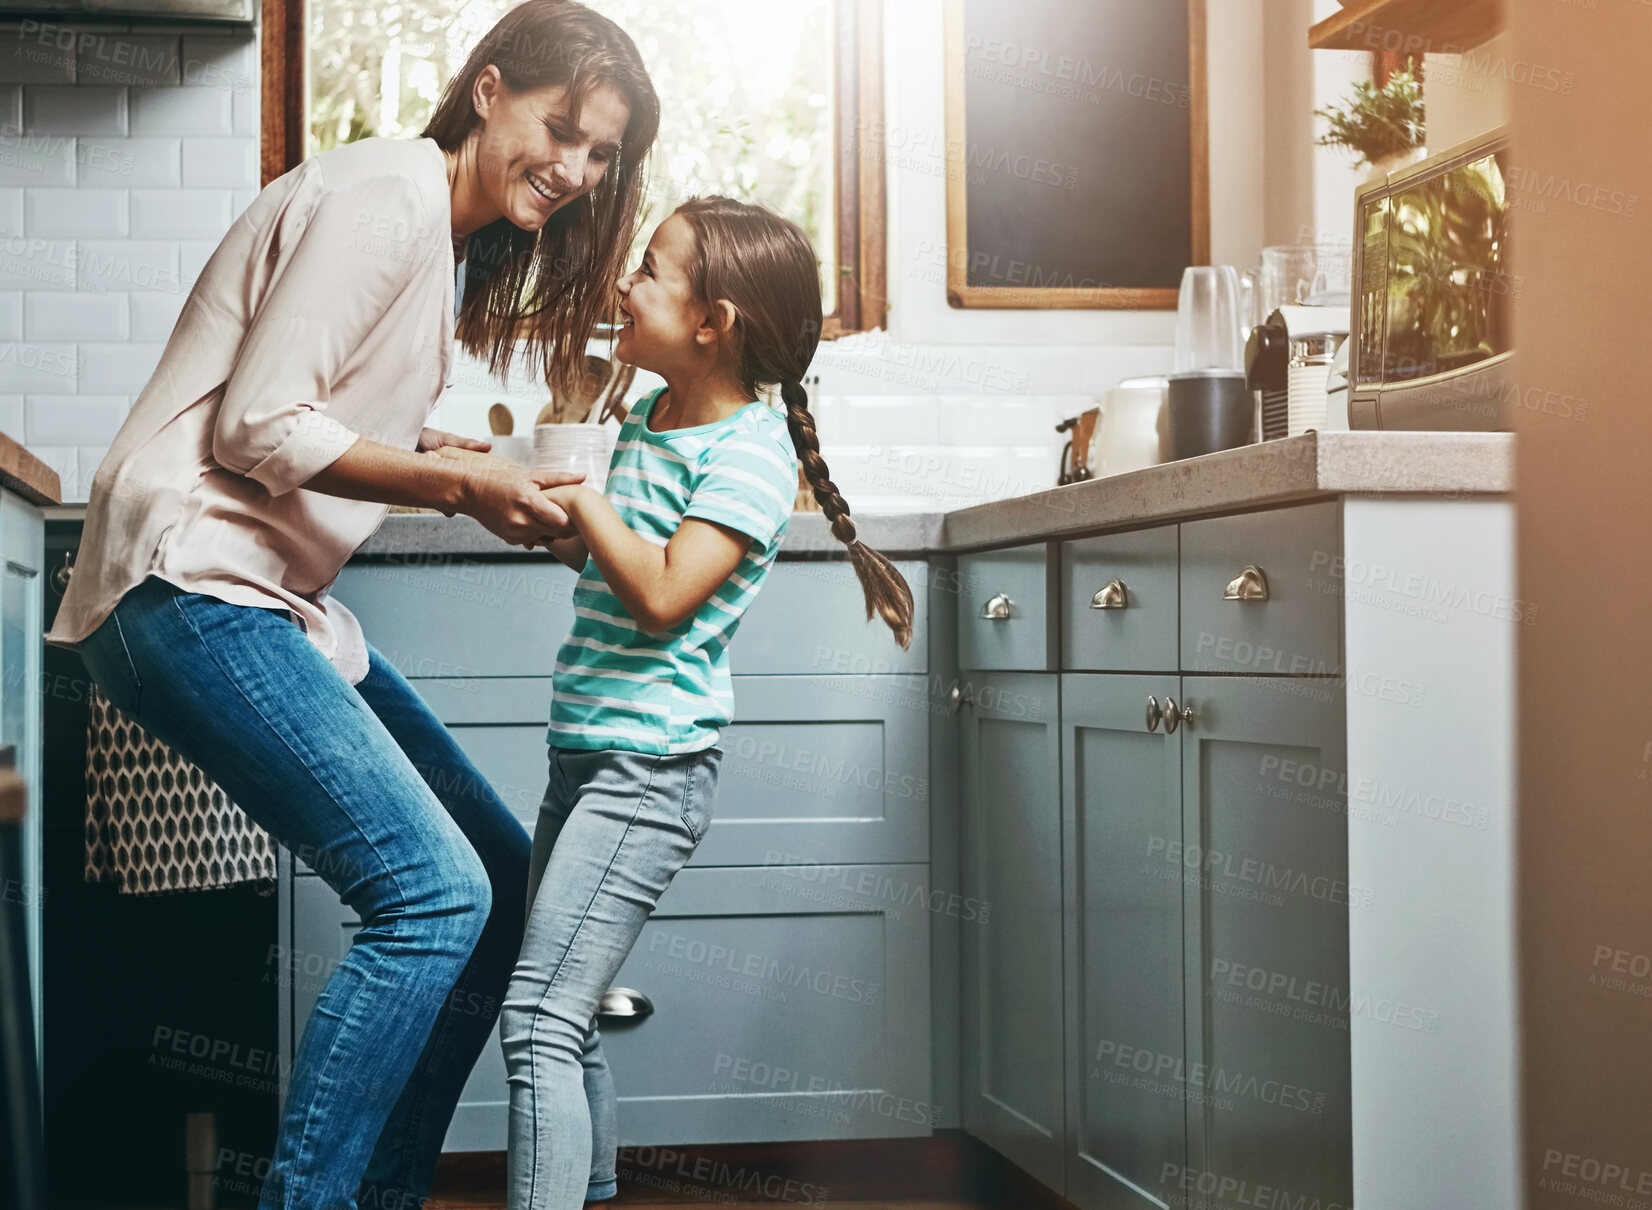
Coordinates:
x,y
1293,470
26,475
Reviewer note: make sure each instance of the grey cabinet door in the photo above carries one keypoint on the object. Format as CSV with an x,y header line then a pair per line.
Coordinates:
x,y
1264,863
1011,959
789,1003
1122,810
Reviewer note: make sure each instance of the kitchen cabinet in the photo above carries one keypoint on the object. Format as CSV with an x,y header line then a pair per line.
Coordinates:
x,y
1121,819
22,650
1011,954
781,1003
815,868
1176,859
1003,608
1264,865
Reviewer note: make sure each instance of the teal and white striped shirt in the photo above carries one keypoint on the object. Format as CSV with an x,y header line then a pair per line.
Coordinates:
x,y
617,686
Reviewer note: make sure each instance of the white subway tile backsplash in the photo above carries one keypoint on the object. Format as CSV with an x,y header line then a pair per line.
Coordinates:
x,y
181,111
87,463
11,415
878,419
11,211
75,315
127,58
243,111
37,264
31,56
118,369
193,255
35,368
127,264
188,214
76,420
225,62
154,315
11,315
75,213
38,160
231,162
137,163
74,109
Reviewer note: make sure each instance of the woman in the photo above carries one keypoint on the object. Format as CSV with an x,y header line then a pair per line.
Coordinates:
x,y
286,412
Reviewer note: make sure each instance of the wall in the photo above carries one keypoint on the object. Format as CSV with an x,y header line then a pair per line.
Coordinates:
x,y
135,148
125,154
1580,89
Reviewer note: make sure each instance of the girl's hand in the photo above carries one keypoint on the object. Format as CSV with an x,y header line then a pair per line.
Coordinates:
x,y
510,500
435,439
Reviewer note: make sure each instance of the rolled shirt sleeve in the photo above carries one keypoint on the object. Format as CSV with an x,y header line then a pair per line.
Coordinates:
x,y
341,262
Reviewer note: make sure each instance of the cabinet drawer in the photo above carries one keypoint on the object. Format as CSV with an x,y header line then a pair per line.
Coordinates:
x,y
1118,602
1013,583
462,618
829,769
1297,628
787,1004
810,617
469,618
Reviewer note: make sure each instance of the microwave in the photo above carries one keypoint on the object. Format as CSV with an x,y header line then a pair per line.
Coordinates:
x,y
1433,291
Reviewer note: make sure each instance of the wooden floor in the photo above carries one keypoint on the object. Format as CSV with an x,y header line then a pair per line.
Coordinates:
x,y
945,1171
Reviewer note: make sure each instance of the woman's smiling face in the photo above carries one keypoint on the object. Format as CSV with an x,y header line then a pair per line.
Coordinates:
x,y
532,157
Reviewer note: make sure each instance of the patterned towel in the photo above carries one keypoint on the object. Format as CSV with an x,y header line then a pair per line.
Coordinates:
x,y
155,822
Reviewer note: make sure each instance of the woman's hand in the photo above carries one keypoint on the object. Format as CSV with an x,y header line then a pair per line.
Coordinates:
x,y
435,439
510,500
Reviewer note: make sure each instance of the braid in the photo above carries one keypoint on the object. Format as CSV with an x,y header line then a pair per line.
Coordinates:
x,y
886,589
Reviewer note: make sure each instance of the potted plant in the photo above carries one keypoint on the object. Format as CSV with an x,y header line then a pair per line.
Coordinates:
x,y
1382,126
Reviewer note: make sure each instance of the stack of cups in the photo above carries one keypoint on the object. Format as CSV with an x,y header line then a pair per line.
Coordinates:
x,y
574,449
1305,398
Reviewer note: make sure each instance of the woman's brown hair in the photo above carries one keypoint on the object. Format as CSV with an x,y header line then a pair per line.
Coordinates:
x,y
766,269
558,282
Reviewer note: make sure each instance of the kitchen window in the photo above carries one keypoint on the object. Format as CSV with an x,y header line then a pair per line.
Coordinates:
x,y
770,101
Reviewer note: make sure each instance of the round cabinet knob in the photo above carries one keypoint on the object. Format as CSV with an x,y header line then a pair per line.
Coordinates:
x,y
957,698
998,608
1113,595
624,1004
1251,584
1154,714
1175,716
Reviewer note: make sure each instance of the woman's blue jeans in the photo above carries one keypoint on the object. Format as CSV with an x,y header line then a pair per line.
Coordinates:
x,y
366,785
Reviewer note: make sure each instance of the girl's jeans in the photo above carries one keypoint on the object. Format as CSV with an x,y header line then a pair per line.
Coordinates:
x,y
614,829
365,784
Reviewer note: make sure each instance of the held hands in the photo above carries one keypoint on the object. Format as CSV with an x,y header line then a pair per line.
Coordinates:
x,y
511,501
435,439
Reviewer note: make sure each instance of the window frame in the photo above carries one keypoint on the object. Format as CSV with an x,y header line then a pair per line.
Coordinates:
x,y
860,181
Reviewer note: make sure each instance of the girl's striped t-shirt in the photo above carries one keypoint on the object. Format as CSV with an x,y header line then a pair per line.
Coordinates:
x,y
617,686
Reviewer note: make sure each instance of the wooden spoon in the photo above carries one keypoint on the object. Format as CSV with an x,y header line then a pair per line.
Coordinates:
x,y
500,420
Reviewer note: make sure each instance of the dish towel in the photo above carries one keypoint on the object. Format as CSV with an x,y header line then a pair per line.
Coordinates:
x,y
155,822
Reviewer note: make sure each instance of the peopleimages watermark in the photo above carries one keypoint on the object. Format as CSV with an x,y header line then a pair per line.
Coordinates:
x,y
1217,1190
1593,1179
1172,1075
858,885
1423,590
752,973
732,1073
643,1165
1254,878
1312,1001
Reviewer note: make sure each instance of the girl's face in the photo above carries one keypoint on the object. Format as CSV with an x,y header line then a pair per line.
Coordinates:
x,y
533,159
663,324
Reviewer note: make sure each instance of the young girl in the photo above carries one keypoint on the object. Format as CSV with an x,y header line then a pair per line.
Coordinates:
x,y
699,493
